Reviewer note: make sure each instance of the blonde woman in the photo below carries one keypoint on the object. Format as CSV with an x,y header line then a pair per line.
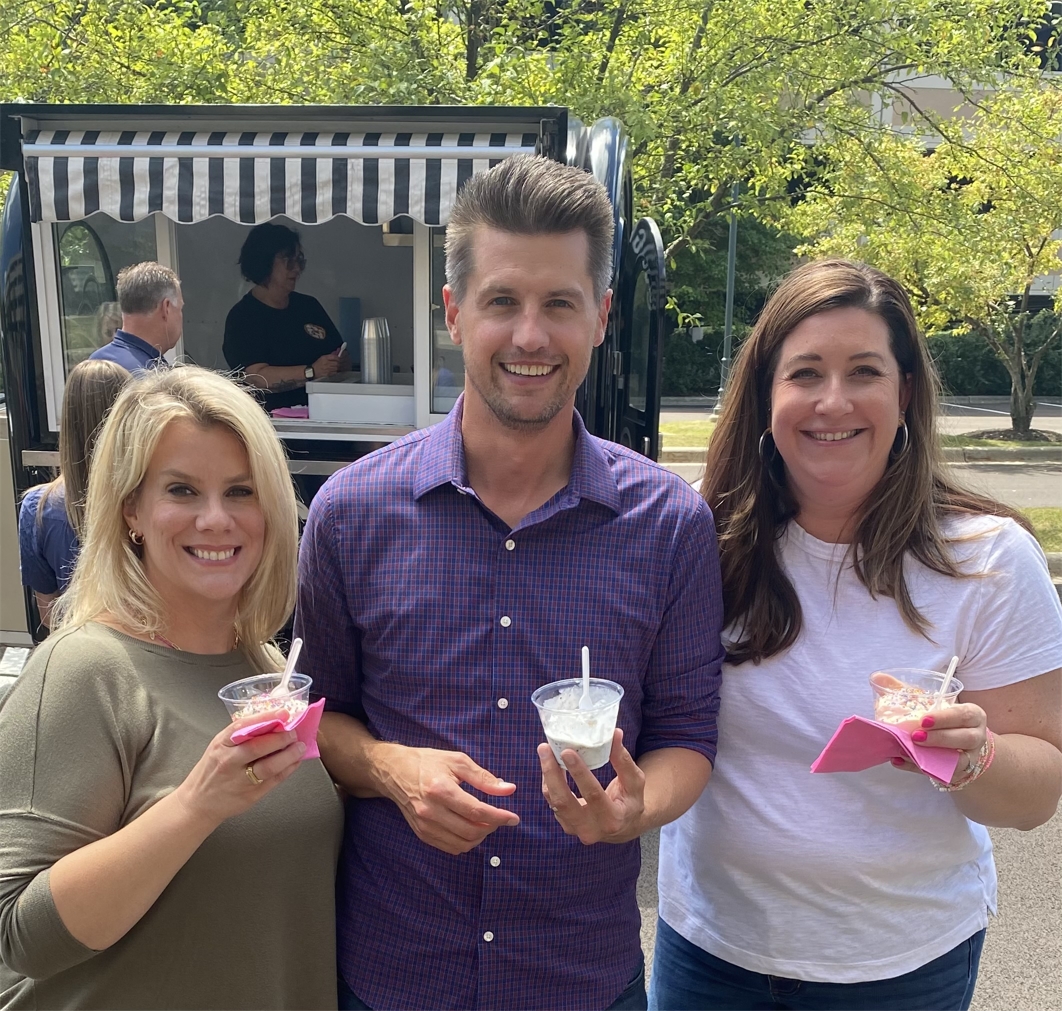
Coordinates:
x,y
846,547
148,862
51,516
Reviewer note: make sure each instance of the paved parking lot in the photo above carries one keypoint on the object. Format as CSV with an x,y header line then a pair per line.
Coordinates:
x,y
1021,968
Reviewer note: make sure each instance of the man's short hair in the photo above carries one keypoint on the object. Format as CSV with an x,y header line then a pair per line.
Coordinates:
x,y
531,195
143,286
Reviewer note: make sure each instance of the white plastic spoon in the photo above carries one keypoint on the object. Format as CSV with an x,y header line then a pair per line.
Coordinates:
x,y
293,658
947,683
584,700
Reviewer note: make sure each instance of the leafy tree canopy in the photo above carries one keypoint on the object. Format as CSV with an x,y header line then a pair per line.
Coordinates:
x,y
780,98
687,77
969,220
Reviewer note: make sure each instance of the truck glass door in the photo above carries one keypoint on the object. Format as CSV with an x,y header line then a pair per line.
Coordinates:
x,y
90,253
641,340
447,363
640,334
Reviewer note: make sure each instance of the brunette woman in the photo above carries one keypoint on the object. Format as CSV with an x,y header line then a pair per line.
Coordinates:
x,y
52,515
846,547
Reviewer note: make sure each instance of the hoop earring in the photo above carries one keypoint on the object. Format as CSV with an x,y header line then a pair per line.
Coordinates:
x,y
905,443
774,449
135,537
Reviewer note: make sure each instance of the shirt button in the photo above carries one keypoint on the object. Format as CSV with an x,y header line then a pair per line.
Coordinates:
x,y
510,544
488,935
506,621
503,703
495,861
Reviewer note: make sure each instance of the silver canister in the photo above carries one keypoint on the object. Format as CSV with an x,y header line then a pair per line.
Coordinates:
x,y
375,351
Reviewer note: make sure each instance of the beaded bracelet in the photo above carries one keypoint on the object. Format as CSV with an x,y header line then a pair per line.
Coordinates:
x,y
978,769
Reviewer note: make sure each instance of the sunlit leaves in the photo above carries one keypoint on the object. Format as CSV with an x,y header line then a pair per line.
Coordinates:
x,y
793,81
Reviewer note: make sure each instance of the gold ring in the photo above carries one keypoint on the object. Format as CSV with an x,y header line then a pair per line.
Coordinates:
x,y
252,777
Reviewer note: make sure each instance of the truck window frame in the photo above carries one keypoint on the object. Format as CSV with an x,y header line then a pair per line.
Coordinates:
x,y
49,304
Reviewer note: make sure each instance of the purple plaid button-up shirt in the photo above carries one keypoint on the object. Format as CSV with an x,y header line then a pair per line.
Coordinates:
x,y
424,615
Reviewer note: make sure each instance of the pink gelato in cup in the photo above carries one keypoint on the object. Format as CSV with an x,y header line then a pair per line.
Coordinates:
x,y
904,696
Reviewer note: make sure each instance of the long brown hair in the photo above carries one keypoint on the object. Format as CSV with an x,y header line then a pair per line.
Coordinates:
x,y
747,491
91,389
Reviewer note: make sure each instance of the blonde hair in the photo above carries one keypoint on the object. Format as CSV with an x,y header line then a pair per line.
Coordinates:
x,y
109,578
108,319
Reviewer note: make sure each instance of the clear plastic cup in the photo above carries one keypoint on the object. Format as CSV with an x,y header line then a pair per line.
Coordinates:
x,y
903,696
251,696
588,732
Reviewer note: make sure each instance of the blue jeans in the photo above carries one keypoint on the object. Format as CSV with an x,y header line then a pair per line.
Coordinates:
x,y
687,978
632,999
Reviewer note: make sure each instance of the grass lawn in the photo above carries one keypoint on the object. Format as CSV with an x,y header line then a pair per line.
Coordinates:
x,y
696,433
1048,523
685,433
965,442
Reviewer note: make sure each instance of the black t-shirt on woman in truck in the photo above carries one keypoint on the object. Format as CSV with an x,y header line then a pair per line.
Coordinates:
x,y
298,335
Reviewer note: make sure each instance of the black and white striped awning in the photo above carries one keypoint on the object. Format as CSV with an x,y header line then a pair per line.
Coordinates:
x,y
252,177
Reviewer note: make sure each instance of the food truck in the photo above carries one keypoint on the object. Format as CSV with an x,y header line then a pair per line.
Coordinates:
x,y
369,189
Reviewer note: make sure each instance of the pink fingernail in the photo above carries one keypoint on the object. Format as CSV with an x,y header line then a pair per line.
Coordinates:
x,y
928,722
898,762
919,736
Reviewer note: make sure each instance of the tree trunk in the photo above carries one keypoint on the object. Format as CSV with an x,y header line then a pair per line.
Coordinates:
x,y
473,39
1021,398
1022,406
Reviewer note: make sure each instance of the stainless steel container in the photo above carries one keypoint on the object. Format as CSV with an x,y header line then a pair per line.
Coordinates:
x,y
375,351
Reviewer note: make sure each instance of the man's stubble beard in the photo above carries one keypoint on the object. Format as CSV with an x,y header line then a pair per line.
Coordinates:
x,y
500,407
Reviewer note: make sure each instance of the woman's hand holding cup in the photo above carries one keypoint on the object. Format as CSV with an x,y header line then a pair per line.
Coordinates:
x,y
961,727
220,785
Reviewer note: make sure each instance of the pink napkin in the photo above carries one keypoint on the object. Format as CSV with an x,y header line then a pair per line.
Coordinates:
x,y
305,726
291,412
860,743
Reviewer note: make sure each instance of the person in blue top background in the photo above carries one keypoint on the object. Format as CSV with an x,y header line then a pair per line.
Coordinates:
x,y
51,516
149,296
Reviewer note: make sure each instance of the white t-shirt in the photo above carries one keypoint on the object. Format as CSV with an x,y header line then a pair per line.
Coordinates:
x,y
846,877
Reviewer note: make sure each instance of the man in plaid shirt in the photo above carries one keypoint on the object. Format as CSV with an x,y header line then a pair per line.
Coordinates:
x,y
442,579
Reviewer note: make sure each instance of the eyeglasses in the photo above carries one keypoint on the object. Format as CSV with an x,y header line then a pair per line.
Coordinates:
x,y
296,260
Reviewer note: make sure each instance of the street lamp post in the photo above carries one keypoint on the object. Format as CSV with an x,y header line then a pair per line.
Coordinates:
x,y
728,313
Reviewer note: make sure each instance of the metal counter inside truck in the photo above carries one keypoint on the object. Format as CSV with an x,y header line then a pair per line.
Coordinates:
x,y
97,188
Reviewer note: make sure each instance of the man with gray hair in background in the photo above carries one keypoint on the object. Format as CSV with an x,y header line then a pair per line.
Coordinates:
x,y
149,296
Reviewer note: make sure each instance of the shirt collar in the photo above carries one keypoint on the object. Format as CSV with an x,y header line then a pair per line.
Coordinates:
x,y
131,340
443,462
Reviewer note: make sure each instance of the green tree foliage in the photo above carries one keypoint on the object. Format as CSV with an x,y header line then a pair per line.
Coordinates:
x,y
969,225
969,367
800,85
687,77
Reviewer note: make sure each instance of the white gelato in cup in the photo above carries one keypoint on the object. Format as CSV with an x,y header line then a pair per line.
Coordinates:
x,y
588,732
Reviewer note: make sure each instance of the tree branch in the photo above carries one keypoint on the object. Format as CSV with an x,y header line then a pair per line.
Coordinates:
x,y
613,38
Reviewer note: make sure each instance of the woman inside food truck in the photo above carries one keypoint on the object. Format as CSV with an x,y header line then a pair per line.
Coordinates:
x,y
275,333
